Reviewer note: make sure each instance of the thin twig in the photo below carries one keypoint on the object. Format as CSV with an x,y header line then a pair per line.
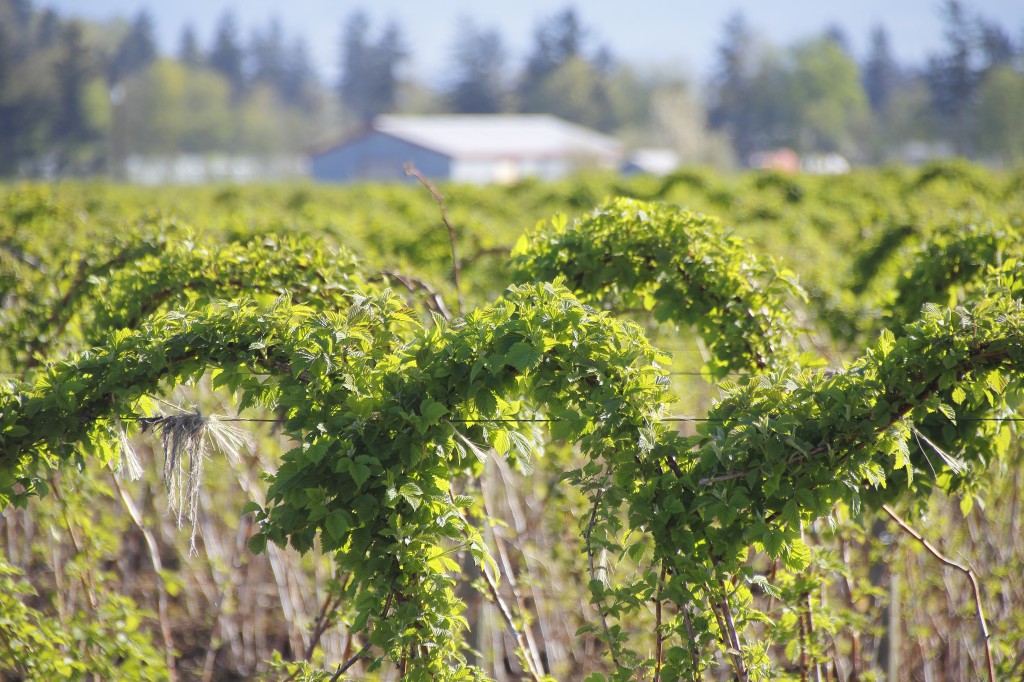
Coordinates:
x,y
439,198
963,569
25,257
593,574
692,643
357,656
350,662
737,652
433,301
728,627
322,622
658,639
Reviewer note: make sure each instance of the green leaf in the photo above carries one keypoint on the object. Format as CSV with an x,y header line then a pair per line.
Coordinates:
x,y
412,494
886,342
360,473
500,441
996,381
251,507
773,542
258,543
522,356
486,403
959,395
432,411
315,452
337,523
16,431
769,589
797,557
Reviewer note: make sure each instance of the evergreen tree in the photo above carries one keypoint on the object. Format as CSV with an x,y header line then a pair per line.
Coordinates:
x,y
997,47
952,77
479,71
267,56
189,53
355,55
226,55
837,36
73,71
562,79
369,80
829,98
555,42
389,53
881,73
20,12
136,51
998,133
731,111
49,28
298,77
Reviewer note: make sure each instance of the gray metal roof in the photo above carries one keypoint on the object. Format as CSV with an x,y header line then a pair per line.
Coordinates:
x,y
491,136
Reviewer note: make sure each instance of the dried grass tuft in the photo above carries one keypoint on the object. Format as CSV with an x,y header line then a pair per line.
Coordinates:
x,y
128,464
187,440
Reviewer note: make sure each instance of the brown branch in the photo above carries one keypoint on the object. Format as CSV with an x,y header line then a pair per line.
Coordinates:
x,y
593,574
963,569
658,639
357,656
489,251
322,622
20,254
692,644
910,402
439,198
734,637
727,625
350,662
434,302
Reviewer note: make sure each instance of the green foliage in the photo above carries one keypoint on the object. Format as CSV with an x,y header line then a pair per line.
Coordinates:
x,y
108,642
394,422
681,266
1000,92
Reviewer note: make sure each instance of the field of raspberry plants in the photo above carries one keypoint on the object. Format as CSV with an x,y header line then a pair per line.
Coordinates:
x,y
759,427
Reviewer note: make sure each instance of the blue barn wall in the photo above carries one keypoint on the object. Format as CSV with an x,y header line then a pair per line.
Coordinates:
x,y
377,157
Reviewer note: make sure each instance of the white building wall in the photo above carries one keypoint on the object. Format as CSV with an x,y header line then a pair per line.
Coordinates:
x,y
187,169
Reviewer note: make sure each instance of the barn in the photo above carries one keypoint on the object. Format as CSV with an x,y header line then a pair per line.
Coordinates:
x,y
476,149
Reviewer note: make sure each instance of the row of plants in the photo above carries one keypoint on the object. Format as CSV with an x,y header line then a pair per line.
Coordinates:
x,y
703,447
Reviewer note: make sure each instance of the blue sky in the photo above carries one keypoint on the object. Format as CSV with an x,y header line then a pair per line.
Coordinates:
x,y
670,34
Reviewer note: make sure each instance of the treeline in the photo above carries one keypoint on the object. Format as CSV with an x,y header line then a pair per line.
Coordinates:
x,y
79,97
817,96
